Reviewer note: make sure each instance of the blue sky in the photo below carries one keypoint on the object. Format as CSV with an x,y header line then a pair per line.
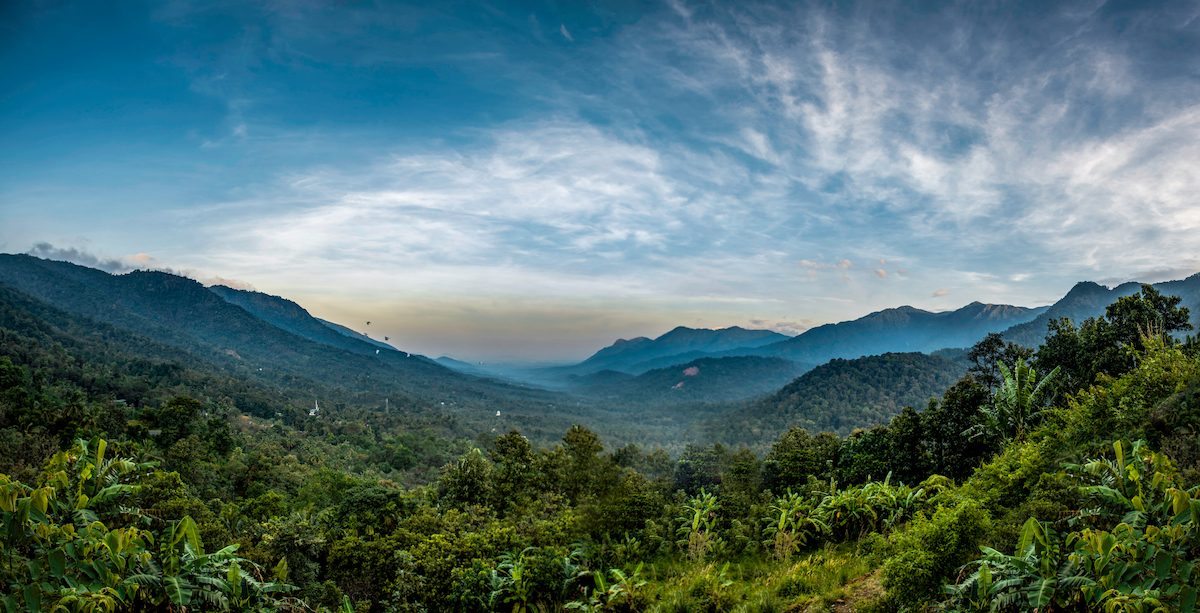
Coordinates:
x,y
535,180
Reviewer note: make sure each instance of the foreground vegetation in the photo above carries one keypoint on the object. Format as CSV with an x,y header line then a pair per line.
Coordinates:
x,y
1061,479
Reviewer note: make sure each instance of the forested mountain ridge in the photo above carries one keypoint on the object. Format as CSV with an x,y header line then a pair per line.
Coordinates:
x,y
839,396
702,380
182,313
902,329
1088,299
288,315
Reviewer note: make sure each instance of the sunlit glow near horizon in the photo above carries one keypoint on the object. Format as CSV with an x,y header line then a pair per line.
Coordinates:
x,y
530,182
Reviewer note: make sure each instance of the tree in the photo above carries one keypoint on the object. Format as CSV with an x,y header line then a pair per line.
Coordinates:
x,y
988,354
1148,313
1065,348
514,470
908,456
952,452
699,467
587,473
791,461
467,481
178,418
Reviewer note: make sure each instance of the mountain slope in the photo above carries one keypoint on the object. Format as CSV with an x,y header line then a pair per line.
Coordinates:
x,y
285,314
1088,299
184,314
344,331
900,329
702,380
840,396
119,364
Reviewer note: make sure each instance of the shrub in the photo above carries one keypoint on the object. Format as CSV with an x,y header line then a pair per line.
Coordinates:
x,y
927,554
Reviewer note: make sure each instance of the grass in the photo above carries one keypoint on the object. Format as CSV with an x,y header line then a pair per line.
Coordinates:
x,y
813,581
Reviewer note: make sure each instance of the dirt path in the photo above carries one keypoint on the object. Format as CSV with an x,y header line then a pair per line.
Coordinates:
x,y
867,587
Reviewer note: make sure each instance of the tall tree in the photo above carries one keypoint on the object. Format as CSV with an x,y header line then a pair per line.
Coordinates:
x,y
988,354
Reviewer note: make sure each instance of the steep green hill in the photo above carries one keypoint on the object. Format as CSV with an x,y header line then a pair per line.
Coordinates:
x,y
184,314
839,396
105,362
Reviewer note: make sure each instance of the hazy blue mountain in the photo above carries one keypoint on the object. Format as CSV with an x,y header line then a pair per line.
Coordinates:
x,y
596,379
344,331
462,366
635,356
902,329
702,380
1088,299
840,396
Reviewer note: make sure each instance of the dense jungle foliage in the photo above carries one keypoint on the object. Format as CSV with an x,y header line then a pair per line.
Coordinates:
x,y
1064,478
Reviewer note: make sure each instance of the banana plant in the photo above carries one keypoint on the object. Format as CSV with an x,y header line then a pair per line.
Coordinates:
x,y
1131,553
1017,405
789,526
696,531
513,582
55,553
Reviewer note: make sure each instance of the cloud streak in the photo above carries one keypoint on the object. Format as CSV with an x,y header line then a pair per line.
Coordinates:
x,y
698,160
127,263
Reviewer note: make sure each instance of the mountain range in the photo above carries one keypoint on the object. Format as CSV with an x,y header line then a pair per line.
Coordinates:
x,y
270,339
739,383
638,355
901,329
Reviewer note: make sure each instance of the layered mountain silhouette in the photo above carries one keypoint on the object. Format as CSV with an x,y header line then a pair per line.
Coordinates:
x,y
638,355
902,329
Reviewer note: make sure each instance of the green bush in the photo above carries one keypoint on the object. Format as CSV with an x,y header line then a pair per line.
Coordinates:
x,y
926,555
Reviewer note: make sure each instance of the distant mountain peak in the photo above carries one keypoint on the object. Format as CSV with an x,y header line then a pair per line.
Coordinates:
x,y
633,341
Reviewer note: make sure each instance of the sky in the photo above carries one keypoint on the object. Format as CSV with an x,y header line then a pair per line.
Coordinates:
x,y
534,180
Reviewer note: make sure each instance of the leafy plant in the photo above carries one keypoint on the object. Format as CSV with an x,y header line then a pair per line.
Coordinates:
x,y
697,535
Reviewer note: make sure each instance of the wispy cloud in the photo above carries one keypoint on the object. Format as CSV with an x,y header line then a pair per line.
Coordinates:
x,y
790,328
698,158
127,263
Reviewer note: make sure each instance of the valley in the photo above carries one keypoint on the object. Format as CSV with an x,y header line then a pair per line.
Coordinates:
x,y
319,451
